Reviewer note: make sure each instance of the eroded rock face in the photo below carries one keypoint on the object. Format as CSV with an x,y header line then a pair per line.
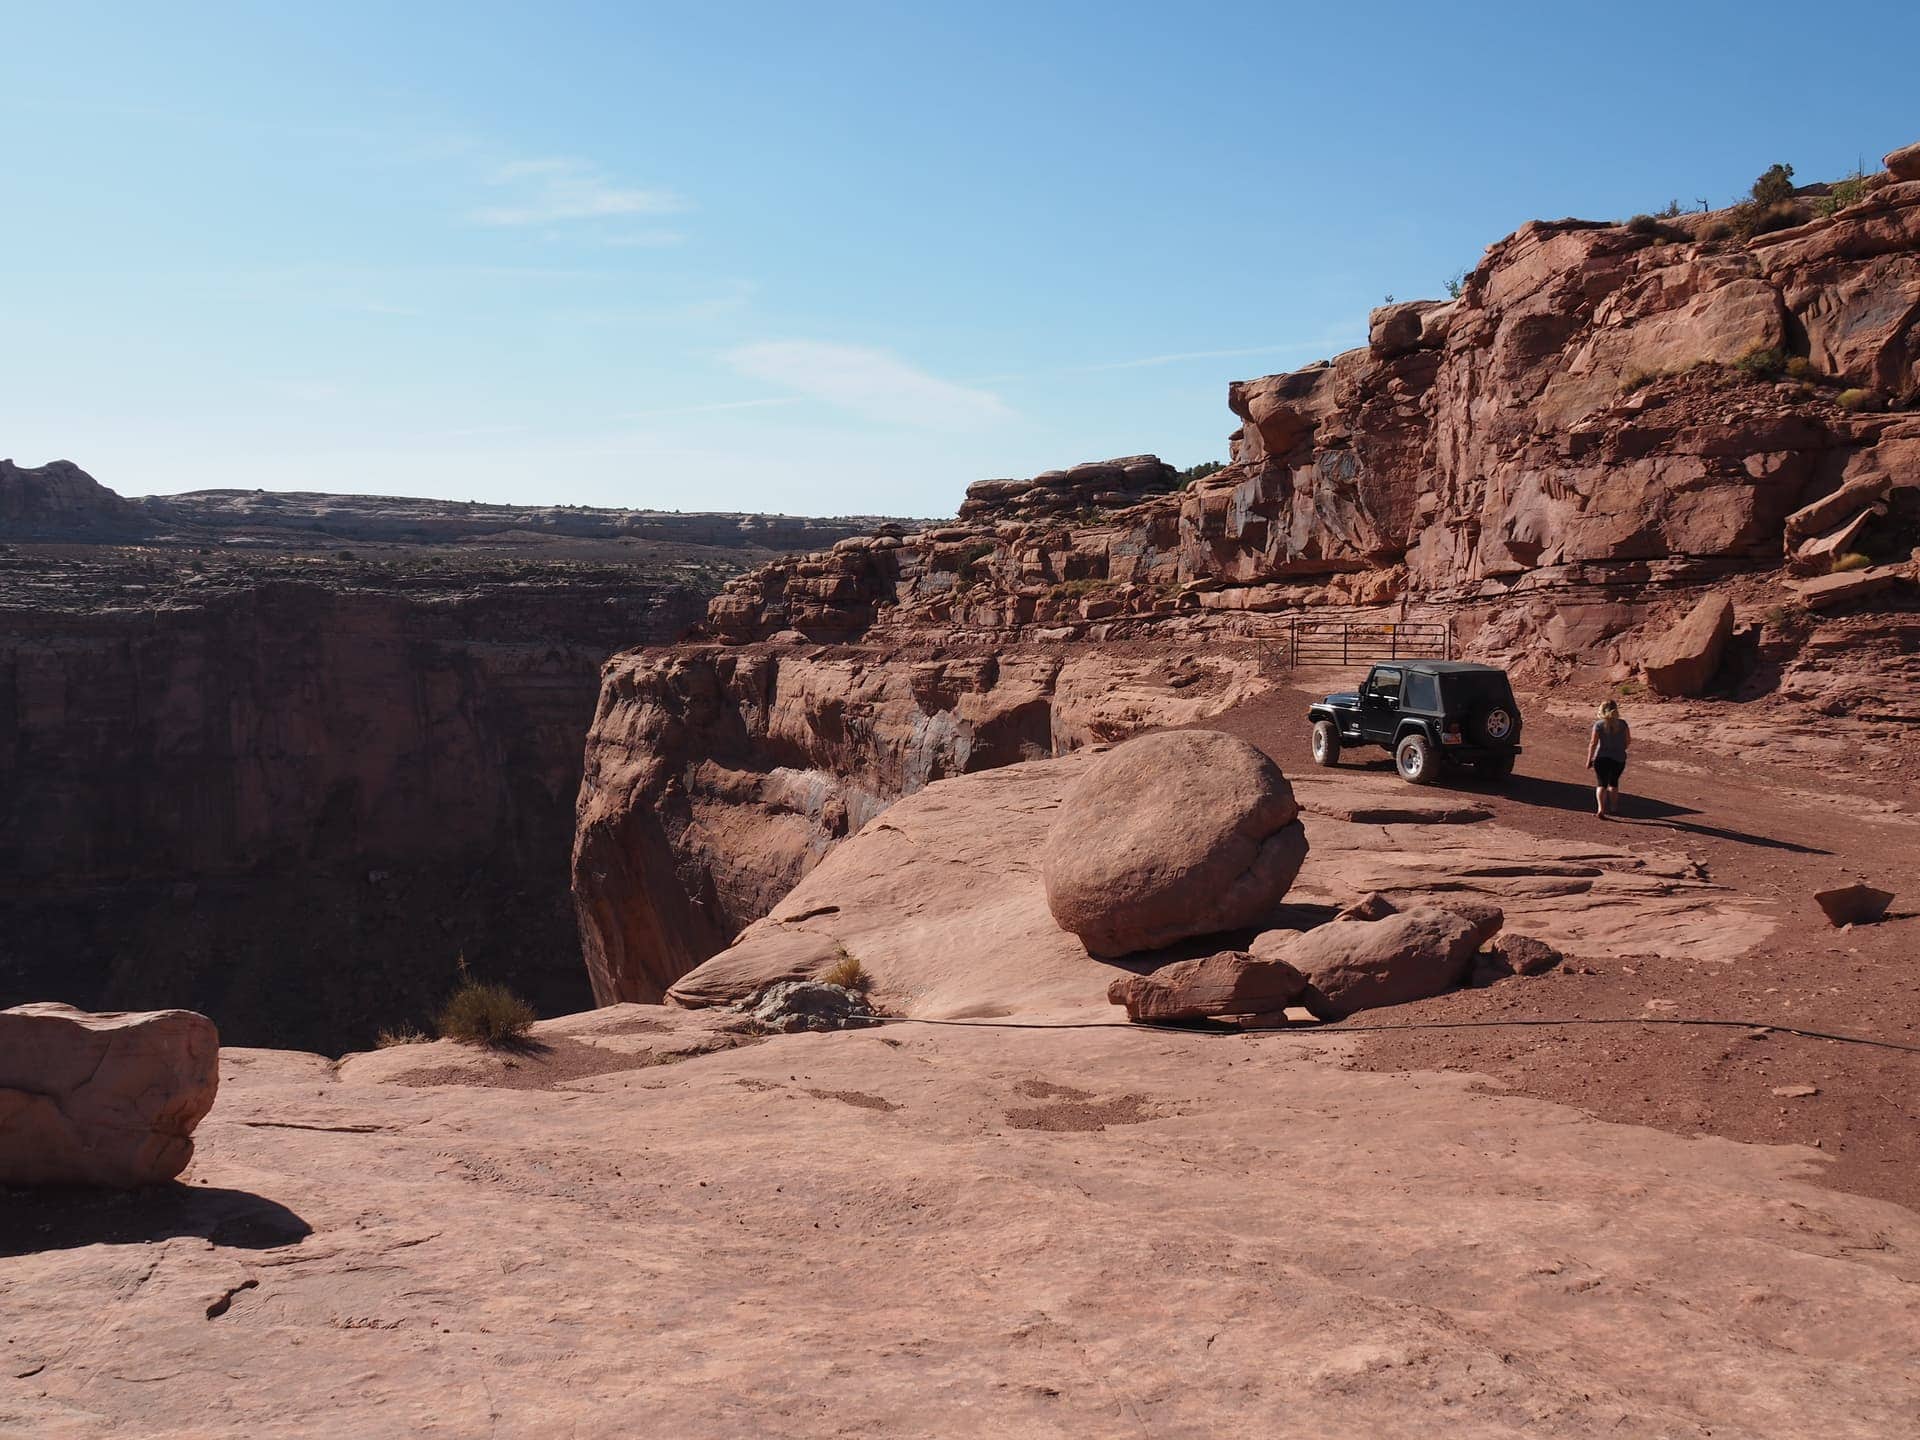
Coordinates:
x,y
1183,833
107,1099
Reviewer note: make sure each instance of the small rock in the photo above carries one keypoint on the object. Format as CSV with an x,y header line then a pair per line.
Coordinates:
x,y
1795,1092
1523,954
789,1006
1853,904
1371,906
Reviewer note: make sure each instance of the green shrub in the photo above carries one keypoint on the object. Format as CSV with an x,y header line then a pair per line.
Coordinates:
x,y
1775,185
1855,399
482,1013
1199,472
1672,212
1800,368
1762,364
1456,282
1852,560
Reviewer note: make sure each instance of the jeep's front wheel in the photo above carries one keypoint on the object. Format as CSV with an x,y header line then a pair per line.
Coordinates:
x,y
1326,743
1413,758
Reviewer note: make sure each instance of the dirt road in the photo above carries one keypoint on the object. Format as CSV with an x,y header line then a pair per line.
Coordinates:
x,y
1781,816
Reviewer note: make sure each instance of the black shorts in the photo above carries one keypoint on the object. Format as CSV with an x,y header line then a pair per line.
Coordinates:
x,y
1608,772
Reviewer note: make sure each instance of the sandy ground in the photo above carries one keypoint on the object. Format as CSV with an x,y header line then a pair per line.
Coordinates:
x,y
942,1231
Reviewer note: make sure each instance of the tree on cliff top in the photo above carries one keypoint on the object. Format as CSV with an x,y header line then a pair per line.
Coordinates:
x,y
1774,186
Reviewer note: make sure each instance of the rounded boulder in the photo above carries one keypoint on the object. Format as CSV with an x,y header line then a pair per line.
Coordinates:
x,y
1182,833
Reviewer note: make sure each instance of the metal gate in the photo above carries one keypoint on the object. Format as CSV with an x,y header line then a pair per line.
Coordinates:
x,y
1358,642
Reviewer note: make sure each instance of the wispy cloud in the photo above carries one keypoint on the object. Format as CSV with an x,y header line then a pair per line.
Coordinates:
x,y
551,191
873,383
712,405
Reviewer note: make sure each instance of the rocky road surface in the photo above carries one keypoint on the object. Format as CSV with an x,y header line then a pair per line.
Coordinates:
x,y
940,1231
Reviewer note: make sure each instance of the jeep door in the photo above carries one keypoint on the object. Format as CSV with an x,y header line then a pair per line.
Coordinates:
x,y
1380,705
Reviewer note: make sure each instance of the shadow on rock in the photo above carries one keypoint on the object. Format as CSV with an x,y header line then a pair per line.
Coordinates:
x,y
62,1218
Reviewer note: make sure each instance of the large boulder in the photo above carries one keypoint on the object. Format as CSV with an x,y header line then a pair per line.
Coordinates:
x,y
107,1099
1904,163
1683,659
1187,832
1355,965
1229,983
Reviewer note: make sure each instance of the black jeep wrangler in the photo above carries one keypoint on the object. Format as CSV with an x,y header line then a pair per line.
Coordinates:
x,y
1429,714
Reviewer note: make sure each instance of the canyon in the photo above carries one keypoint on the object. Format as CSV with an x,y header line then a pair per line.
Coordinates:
x,y
296,761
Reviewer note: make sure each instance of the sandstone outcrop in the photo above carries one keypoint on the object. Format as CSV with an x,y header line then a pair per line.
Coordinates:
x,y
1182,833
1684,658
108,1099
1229,983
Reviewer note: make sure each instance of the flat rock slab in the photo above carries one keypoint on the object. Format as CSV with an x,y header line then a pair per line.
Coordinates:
x,y
1394,812
918,1231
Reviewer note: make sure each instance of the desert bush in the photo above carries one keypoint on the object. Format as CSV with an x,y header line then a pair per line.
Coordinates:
x,y
1774,185
1639,380
1765,219
1854,399
1719,230
1456,283
1672,212
1849,191
1644,225
1199,472
1762,364
1852,560
845,971
1800,368
482,1013
405,1035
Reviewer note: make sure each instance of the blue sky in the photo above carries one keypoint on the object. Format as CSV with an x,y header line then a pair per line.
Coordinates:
x,y
808,258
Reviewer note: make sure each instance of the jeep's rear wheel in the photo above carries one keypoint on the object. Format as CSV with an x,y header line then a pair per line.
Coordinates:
x,y
1326,743
1413,758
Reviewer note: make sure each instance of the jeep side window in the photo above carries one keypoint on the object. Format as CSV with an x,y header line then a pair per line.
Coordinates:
x,y
1421,694
1385,685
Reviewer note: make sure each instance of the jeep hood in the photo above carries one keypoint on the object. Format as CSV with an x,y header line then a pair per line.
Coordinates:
x,y
1350,699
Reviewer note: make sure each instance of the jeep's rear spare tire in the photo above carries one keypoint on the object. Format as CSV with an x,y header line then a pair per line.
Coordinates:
x,y
1491,724
1326,743
1413,757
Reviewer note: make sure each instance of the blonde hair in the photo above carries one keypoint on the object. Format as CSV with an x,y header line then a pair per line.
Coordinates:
x,y
1609,709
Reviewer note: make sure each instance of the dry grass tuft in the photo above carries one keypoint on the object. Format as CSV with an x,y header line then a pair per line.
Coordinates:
x,y
485,1014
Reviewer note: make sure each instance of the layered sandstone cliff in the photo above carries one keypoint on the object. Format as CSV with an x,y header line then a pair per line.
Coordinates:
x,y
1607,420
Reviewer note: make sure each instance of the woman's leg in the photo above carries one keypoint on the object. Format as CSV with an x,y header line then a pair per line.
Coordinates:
x,y
1600,801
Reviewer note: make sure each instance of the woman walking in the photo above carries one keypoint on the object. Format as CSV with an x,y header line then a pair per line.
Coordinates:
x,y
1607,758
